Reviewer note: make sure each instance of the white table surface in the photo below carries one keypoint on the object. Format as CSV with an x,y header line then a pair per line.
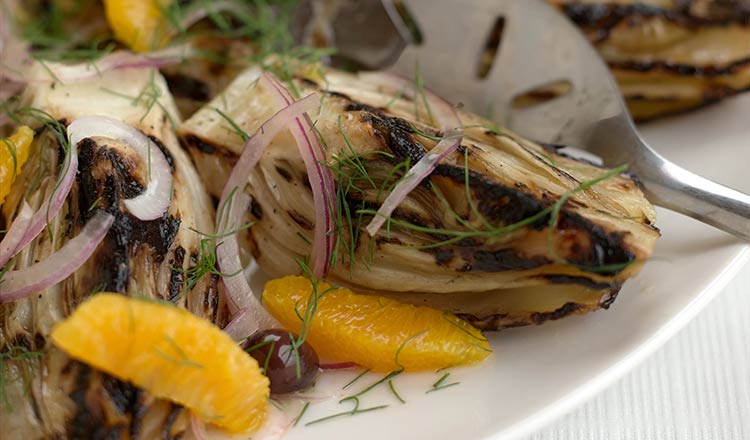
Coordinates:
x,y
697,386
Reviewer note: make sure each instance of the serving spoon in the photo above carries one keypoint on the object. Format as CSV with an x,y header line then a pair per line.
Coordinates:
x,y
487,54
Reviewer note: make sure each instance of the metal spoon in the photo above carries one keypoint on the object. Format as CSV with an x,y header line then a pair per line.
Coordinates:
x,y
539,47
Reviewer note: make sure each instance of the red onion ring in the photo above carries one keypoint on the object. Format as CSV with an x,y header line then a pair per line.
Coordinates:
x,y
154,201
15,233
119,60
50,209
19,284
320,178
250,315
197,427
450,124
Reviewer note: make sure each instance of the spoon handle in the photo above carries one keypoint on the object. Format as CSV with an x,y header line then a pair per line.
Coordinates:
x,y
670,186
616,141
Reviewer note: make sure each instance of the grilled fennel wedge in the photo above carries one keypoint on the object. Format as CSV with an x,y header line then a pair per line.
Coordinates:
x,y
371,135
669,55
50,395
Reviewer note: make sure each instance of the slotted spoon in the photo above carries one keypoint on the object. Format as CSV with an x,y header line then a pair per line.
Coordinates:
x,y
539,47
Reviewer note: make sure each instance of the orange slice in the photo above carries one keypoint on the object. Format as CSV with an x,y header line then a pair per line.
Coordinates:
x,y
171,353
13,154
140,25
375,332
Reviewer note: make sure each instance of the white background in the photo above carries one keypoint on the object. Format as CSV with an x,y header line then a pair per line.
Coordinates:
x,y
695,387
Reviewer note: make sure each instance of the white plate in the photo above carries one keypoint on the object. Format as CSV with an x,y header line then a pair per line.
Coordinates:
x,y
539,373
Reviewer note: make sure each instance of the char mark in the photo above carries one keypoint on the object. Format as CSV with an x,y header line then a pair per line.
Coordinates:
x,y
497,202
397,134
606,16
301,220
166,431
256,209
284,173
683,69
202,145
578,280
498,261
177,277
102,184
125,396
185,86
565,310
604,248
164,151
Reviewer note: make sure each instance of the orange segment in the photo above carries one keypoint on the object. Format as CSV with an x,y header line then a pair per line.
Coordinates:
x,y
13,154
171,353
140,25
371,330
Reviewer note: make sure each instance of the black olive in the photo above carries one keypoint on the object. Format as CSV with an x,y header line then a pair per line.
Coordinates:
x,y
287,368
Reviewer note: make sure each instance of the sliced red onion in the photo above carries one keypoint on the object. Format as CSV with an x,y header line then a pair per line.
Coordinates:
x,y
250,315
320,177
154,201
22,283
198,427
450,124
15,233
52,206
120,60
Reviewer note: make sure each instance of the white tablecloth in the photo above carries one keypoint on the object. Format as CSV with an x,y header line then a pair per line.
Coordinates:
x,y
696,387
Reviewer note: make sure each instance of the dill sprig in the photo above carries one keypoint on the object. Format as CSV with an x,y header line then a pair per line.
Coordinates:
x,y
394,392
451,236
147,98
301,413
60,135
354,411
352,180
182,360
15,353
358,377
373,385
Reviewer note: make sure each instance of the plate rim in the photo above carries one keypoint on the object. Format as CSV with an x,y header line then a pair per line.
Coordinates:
x,y
597,384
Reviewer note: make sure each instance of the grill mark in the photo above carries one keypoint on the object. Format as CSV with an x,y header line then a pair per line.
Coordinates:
x,y
23,340
127,233
174,412
498,261
396,134
611,297
177,277
301,220
136,419
496,201
167,155
565,310
196,142
604,248
124,395
185,86
82,423
256,209
681,68
129,186
578,280
604,16
284,173
211,298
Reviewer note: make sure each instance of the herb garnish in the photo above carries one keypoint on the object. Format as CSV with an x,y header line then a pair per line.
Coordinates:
x,y
15,353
